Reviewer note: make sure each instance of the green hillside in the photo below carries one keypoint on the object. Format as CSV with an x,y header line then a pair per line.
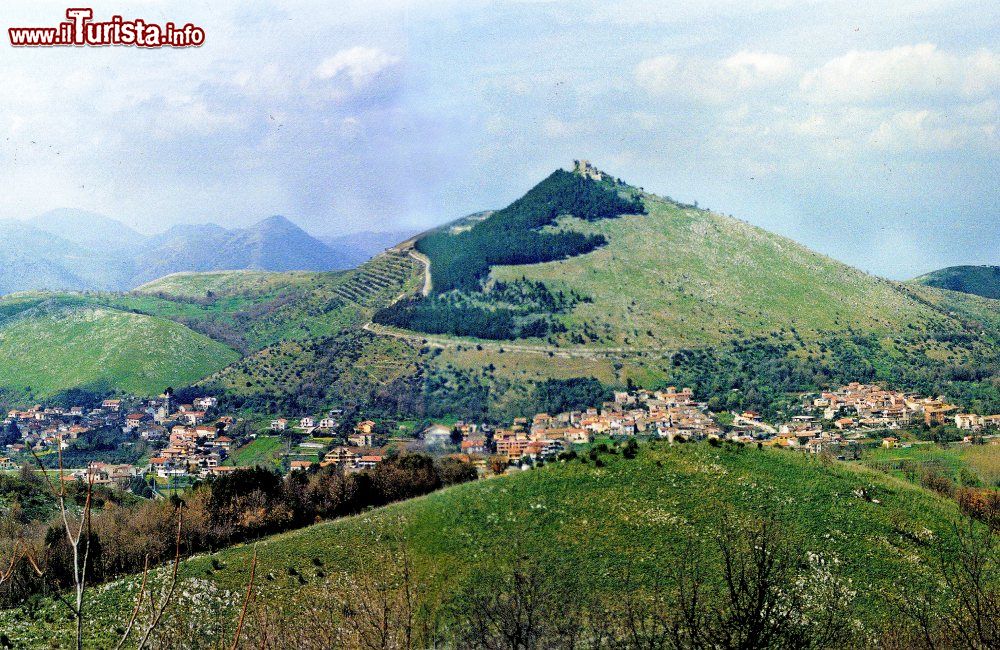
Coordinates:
x,y
615,529
222,283
185,327
251,310
978,280
676,295
675,276
50,347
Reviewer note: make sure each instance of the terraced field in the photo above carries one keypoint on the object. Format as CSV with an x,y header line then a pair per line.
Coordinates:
x,y
386,276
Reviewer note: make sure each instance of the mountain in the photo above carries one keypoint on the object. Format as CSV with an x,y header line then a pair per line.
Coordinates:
x,y
88,229
583,278
274,244
32,258
359,247
586,276
587,544
76,250
655,275
978,280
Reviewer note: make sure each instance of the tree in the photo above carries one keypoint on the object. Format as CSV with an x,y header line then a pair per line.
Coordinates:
x,y
966,613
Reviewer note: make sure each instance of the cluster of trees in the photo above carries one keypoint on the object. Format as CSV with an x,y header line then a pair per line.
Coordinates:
x,y
577,393
440,316
513,236
121,538
105,444
507,311
533,296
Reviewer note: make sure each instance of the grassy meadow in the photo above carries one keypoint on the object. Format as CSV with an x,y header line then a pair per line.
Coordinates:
x,y
599,522
44,352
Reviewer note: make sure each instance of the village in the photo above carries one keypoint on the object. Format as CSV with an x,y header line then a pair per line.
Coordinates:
x,y
191,441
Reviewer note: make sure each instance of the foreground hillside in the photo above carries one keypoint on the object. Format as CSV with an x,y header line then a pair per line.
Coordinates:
x,y
597,533
978,280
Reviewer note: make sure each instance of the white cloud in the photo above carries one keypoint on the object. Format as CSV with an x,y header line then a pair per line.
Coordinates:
x,y
713,80
750,69
556,128
360,64
902,73
930,130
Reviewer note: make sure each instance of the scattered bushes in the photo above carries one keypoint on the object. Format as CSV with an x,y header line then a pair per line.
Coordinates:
x,y
235,507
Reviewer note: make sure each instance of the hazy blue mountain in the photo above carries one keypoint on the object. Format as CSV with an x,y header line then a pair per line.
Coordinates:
x,y
31,258
359,247
88,229
74,249
274,244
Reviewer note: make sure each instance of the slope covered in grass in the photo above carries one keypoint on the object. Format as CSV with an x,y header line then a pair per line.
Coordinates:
x,y
606,526
52,347
647,273
252,309
680,276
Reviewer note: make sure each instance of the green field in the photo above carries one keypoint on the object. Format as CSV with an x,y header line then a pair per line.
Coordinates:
x,y
262,451
961,463
600,524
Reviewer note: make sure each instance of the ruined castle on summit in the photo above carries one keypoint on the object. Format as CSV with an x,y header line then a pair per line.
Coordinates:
x,y
585,169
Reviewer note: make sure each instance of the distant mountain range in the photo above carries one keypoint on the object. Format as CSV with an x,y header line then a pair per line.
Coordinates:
x,y
78,250
369,243
978,280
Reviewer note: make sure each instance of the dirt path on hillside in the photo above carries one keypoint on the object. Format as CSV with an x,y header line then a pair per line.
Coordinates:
x,y
433,341
426,261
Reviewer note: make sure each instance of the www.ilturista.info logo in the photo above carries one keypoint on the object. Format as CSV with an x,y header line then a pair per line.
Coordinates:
x,y
81,30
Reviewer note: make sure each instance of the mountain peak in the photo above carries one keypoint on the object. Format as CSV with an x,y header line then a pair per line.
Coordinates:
x,y
276,222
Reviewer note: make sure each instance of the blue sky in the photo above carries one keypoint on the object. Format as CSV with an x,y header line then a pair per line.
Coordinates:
x,y
865,130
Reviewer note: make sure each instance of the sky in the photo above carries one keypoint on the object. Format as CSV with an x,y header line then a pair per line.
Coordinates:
x,y
865,130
